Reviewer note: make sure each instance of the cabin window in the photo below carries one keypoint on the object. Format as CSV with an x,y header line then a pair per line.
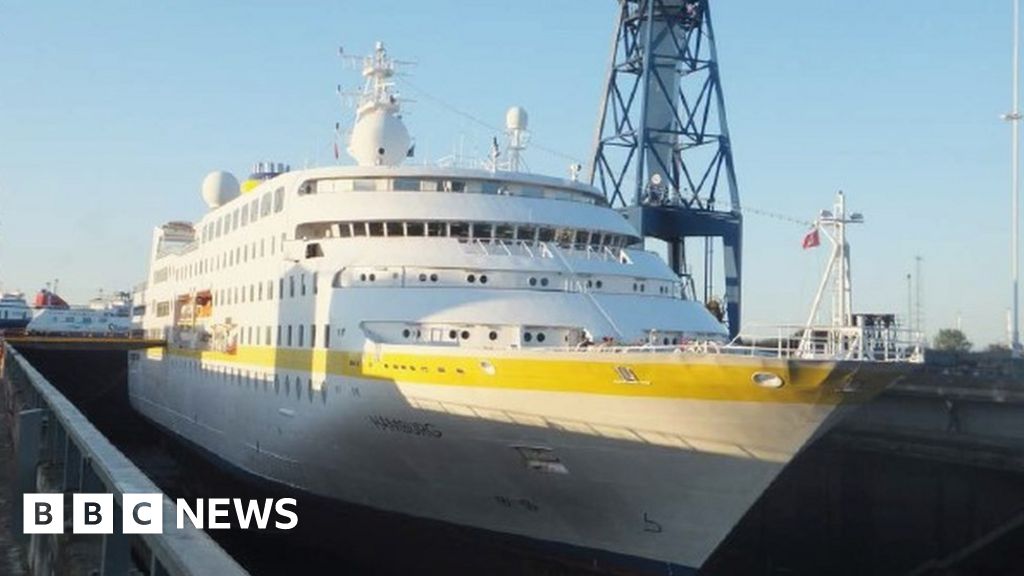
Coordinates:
x,y
482,231
280,288
278,200
490,187
546,234
504,232
313,250
234,220
459,229
266,336
300,344
327,335
525,233
265,205
564,236
302,285
394,229
407,185
312,335
254,210
279,335
289,340
291,286
364,185
270,289
314,282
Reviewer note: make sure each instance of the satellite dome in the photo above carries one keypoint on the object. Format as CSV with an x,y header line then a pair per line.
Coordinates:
x,y
219,188
379,138
516,118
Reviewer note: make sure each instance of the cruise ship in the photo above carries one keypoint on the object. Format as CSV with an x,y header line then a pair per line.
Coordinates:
x,y
479,346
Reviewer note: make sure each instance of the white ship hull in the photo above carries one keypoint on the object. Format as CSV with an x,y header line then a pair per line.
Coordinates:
x,y
654,478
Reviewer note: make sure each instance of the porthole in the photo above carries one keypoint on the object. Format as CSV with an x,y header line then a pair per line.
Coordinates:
x,y
406,333
527,336
533,281
543,281
540,336
471,278
465,334
483,279
642,287
767,380
493,335
362,277
453,334
599,284
664,341
590,283
634,286
418,333
433,277
373,277
675,341
423,277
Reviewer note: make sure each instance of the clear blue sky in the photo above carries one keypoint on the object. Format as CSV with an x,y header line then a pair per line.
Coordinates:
x,y
112,112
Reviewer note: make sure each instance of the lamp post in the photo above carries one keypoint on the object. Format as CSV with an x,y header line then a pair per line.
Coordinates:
x,y
1014,117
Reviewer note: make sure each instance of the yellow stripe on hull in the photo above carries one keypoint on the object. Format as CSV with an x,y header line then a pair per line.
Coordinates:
x,y
658,375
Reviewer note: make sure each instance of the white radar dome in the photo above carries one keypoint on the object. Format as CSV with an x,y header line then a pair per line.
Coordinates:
x,y
379,139
219,188
516,118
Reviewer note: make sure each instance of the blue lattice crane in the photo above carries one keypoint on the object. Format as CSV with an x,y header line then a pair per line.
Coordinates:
x,y
662,152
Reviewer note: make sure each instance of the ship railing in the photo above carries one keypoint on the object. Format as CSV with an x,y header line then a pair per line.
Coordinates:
x,y
877,343
850,343
538,249
58,450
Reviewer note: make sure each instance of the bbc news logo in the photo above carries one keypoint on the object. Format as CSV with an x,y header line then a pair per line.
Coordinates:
x,y
144,513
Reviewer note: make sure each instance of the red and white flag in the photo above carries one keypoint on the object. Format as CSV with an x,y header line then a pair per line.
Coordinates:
x,y
812,239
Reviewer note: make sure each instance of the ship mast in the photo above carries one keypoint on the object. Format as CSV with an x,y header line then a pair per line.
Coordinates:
x,y
837,271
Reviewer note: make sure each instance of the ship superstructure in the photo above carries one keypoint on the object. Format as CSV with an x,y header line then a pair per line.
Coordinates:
x,y
484,347
14,311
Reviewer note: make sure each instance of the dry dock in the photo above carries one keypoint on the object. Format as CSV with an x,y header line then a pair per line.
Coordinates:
x,y
926,480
